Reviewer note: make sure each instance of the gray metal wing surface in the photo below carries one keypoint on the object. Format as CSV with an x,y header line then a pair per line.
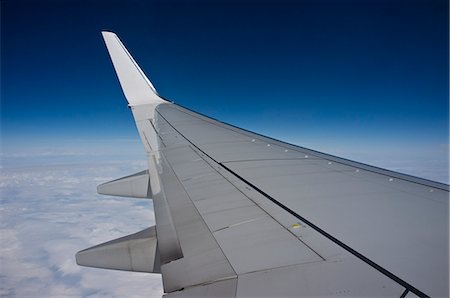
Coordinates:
x,y
239,214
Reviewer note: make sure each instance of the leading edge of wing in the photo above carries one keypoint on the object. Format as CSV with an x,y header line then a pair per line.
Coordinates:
x,y
334,158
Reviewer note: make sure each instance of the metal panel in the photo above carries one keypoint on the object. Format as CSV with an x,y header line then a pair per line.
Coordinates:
x,y
224,288
249,239
208,186
349,206
286,168
222,202
169,244
230,217
262,244
248,150
209,133
324,279
202,261
410,295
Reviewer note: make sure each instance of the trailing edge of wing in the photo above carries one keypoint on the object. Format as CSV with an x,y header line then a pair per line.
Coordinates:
x,y
135,85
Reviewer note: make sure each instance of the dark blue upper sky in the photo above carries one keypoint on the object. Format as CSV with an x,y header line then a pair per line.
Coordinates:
x,y
363,73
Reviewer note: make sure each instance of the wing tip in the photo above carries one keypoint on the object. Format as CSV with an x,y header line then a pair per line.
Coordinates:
x,y
108,32
136,86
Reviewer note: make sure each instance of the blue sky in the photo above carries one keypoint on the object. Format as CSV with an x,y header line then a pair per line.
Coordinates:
x,y
365,76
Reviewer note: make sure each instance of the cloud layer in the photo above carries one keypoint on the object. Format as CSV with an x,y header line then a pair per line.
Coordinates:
x,y
48,213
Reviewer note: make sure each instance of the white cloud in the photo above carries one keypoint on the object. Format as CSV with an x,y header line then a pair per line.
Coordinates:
x,y
48,213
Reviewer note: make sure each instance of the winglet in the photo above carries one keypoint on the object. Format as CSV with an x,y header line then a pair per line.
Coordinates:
x,y
135,85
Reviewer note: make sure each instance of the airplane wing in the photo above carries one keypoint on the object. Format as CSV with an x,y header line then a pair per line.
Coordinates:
x,y
239,214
